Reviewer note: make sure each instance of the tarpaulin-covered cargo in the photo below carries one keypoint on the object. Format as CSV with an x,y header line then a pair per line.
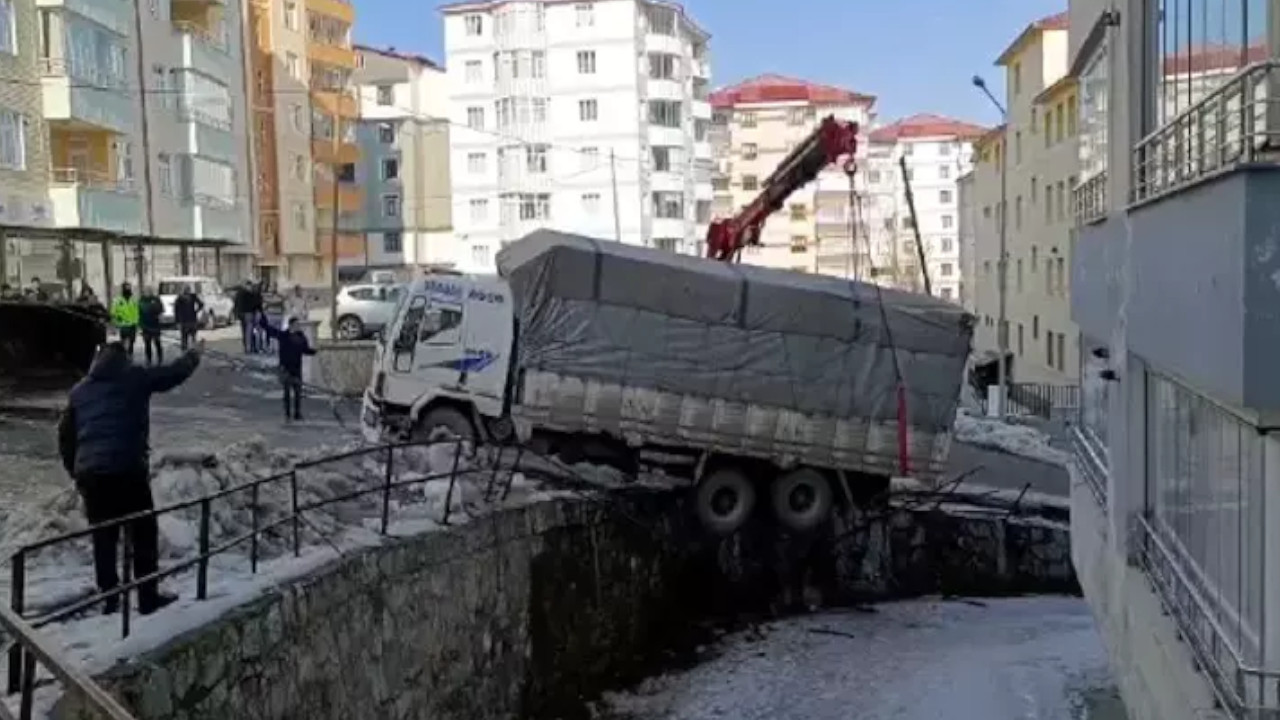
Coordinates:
x,y
660,348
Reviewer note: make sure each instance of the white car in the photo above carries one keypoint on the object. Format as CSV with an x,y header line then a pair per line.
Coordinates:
x,y
218,306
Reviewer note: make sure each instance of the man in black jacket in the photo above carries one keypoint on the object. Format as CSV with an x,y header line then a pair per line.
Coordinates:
x,y
248,304
104,440
150,310
293,345
186,313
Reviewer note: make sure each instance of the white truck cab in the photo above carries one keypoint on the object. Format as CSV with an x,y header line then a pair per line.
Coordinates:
x,y
447,352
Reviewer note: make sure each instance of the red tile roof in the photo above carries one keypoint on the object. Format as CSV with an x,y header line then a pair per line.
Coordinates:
x,y
779,88
1213,57
1061,21
926,126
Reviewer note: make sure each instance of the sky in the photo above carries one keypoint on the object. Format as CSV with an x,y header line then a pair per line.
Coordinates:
x,y
914,55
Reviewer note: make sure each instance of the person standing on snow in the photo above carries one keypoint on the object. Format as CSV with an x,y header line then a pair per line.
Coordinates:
x,y
124,316
246,309
293,345
186,312
296,304
103,438
150,310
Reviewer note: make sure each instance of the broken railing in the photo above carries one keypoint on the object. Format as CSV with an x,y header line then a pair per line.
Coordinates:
x,y
22,654
1231,126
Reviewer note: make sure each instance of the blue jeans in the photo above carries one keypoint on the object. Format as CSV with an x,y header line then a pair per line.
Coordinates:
x,y
249,331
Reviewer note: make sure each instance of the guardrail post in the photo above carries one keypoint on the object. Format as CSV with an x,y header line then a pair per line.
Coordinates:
x,y
126,577
27,702
202,567
253,535
293,508
17,595
453,480
386,489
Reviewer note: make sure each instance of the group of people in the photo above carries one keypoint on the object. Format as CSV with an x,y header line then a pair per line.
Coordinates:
x,y
260,305
103,434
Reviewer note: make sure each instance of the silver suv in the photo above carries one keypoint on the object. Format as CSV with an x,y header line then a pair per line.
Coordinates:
x,y
366,309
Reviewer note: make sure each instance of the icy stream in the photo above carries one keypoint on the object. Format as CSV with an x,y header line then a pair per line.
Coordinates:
x,y
1014,659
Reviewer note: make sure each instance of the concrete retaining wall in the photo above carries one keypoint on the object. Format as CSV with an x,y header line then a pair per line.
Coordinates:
x,y
531,611
344,367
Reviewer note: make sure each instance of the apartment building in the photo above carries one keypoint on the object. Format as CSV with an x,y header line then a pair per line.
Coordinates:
x,y
755,124
404,168
167,163
1036,150
543,100
1173,289
967,239
935,152
304,136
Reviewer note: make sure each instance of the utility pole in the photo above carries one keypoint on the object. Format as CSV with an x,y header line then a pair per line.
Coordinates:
x,y
915,223
146,140
613,176
1002,264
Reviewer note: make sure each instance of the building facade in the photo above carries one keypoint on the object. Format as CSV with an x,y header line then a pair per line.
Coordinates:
x,y
304,134
755,124
1036,149
543,100
935,152
967,239
404,166
1173,290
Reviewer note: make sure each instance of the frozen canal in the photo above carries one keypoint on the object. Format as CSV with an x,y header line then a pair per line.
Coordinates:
x,y
1014,659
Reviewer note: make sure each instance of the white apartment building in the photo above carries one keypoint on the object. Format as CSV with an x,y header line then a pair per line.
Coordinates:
x,y
968,239
937,151
756,124
404,163
555,123
1037,149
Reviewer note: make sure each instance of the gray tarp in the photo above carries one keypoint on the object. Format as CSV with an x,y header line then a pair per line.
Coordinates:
x,y
642,317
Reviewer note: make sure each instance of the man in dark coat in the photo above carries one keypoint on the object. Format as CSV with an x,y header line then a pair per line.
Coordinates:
x,y
293,345
186,312
104,441
248,303
150,310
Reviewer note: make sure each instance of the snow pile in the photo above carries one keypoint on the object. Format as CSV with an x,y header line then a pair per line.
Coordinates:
x,y
1008,437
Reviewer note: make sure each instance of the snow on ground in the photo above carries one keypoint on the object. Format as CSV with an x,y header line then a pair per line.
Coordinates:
x,y
1023,659
1006,436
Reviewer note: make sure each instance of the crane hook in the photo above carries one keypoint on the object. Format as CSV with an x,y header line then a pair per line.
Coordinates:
x,y
850,167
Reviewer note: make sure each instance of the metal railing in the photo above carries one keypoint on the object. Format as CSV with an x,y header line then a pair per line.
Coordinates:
x,y
1089,199
35,654
291,522
1040,399
97,178
1244,691
1229,127
203,35
99,78
1091,457
189,112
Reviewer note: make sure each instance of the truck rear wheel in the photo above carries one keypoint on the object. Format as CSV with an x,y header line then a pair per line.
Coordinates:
x,y
725,499
801,499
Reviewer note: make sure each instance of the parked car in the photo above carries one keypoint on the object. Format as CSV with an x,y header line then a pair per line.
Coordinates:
x,y
217,303
366,309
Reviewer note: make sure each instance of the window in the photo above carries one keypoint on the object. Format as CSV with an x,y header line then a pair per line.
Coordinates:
x,y
386,95
299,167
588,110
948,221
13,141
475,118
476,163
1035,327
947,293
291,14
1061,266
668,205
392,242
944,197
480,255
747,119
347,173
586,62
947,270
944,171
1062,197
1094,85
387,133
8,27
539,109
662,158
750,182
475,72
1015,78
164,174
668,244
1049,347
1061,350
873,177
749,151
479,210
799,244
535,206
390,168
944,150
295,118
1071,116
800,116
799,212
535,159
391,205
665,113
475,25
1020,275
300,215
591,203
663,67
293,65
1048,204
1017,212
590,158
586,14
948,245
1017,148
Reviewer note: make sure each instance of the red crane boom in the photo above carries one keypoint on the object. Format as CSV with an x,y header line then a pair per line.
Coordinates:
x,y
830,141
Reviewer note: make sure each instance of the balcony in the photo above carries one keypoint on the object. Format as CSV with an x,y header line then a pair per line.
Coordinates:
x,y
700,109
701,68
1199,270
325,151
350,245
339,9
205,51
1089,199
350,196
664,89
209,134
662,136
86,199
218,221
320,51
115,15
90,99
336,102
660,43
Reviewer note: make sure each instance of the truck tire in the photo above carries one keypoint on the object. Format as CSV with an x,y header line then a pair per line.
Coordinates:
x,y
801,499
445,421
725,499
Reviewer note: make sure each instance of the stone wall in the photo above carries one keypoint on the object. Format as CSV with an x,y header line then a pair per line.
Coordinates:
x,y
529,612
344,367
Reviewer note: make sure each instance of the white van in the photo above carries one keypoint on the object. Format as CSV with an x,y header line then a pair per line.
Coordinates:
x,y
218,306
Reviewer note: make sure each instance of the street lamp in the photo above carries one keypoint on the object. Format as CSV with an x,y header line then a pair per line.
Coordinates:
x,y
1002,264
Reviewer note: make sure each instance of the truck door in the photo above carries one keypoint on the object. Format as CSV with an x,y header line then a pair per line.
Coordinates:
x,y
426,350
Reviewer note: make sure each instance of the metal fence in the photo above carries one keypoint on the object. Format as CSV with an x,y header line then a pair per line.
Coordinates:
x,y
289,524
1229,127
1091,459
1040,399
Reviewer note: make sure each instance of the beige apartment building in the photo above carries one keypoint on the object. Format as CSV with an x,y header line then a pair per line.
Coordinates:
x,y
754,125
1037,148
